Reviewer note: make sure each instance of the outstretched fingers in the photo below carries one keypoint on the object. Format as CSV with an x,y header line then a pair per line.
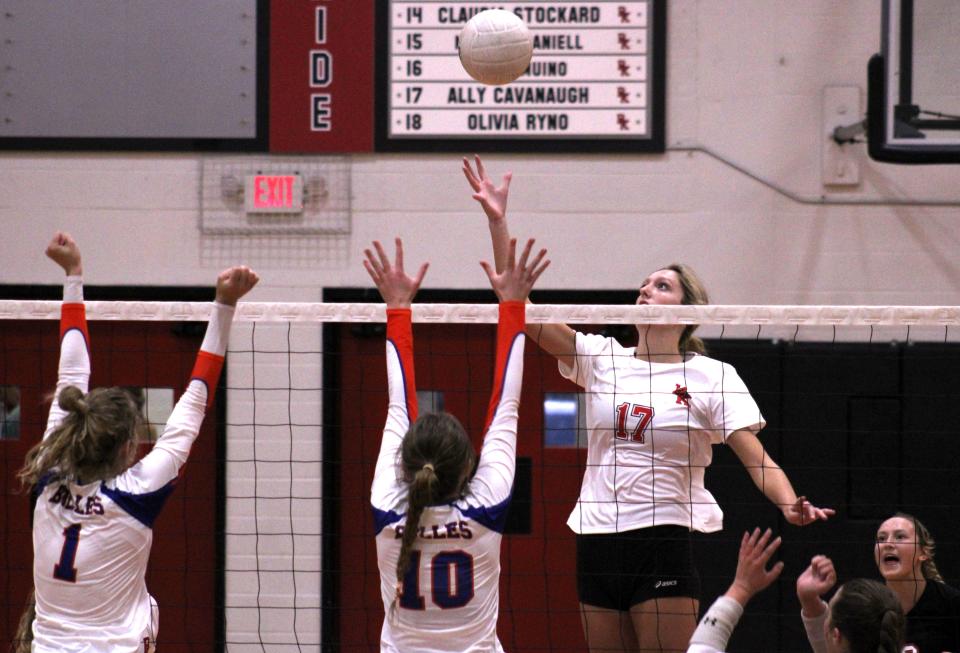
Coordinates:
x,y
471,177
517,278
538,265
398,244
481,171
802,512
396,287
420,274
384,260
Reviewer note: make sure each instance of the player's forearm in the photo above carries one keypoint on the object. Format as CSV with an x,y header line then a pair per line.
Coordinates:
x,y
814,628
500,237
218,329
812,607
773,482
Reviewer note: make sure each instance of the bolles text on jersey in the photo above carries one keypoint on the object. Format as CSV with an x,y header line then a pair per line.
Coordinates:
x,y
79,504
451,530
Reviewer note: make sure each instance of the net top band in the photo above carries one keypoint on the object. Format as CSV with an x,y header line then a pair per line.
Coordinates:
x,y
710,314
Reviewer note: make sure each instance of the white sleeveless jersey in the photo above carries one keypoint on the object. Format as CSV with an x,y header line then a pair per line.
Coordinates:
x,y
650,431
91,541
450,597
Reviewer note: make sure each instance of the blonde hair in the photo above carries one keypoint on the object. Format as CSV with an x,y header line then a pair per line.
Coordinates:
x,y
926,544
694,292
23,639
88,444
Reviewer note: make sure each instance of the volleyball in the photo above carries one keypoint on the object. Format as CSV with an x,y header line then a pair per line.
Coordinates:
x,y
495,47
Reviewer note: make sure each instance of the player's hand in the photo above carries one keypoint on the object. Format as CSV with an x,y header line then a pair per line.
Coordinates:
x,y
233,283
752,574
516,280
395,286
802,512
818,579
492,199
64,251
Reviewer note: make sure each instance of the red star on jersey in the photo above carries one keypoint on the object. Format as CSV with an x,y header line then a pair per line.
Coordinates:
x,y
683,397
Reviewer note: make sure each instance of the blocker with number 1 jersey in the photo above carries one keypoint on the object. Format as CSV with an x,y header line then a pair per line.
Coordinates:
x,y
91,540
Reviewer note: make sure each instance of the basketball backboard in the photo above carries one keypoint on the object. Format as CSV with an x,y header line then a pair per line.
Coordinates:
x,y
913,105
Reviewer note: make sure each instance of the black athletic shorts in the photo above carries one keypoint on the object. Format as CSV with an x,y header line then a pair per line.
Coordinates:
x,y
620,570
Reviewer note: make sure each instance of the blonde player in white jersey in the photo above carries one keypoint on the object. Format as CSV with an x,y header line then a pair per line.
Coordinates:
x,y
438,522
95,508
653,413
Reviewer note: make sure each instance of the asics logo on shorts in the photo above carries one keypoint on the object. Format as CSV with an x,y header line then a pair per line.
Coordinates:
x,y
665,583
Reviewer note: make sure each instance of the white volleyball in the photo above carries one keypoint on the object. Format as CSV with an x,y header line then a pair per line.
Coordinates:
x,y
495,46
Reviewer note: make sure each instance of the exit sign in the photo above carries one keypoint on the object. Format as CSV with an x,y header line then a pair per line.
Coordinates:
x,y
273,194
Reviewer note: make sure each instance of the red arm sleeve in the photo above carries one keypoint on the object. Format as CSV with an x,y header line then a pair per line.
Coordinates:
x,y
400,333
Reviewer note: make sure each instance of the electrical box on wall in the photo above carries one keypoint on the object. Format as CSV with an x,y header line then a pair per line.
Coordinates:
x,y
275,195
840,164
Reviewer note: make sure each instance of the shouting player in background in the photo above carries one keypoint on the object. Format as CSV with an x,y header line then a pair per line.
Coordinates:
x,y
92,526
439,515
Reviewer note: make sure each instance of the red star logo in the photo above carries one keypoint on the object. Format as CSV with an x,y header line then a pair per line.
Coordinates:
x,y
683,397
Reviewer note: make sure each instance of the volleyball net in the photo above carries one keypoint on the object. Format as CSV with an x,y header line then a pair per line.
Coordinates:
x,y
268,544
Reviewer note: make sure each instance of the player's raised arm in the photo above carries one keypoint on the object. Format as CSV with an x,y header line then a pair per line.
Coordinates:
x,y
494,477
556,339
397,289
74,367
163,463
752,577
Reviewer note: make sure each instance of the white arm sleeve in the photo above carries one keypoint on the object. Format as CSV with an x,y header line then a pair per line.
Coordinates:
x,y
814,628
74,368
713,632
387,490
493,482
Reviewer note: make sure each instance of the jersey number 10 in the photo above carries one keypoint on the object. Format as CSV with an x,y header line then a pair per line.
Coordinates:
x,y
451,581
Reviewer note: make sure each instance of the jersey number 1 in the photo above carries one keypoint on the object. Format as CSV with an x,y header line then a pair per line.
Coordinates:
x,y
448,590
644,413
64,570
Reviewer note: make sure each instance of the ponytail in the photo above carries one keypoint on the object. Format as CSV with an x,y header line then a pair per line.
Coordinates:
x,y
436,458
891,631
88,444
420,495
